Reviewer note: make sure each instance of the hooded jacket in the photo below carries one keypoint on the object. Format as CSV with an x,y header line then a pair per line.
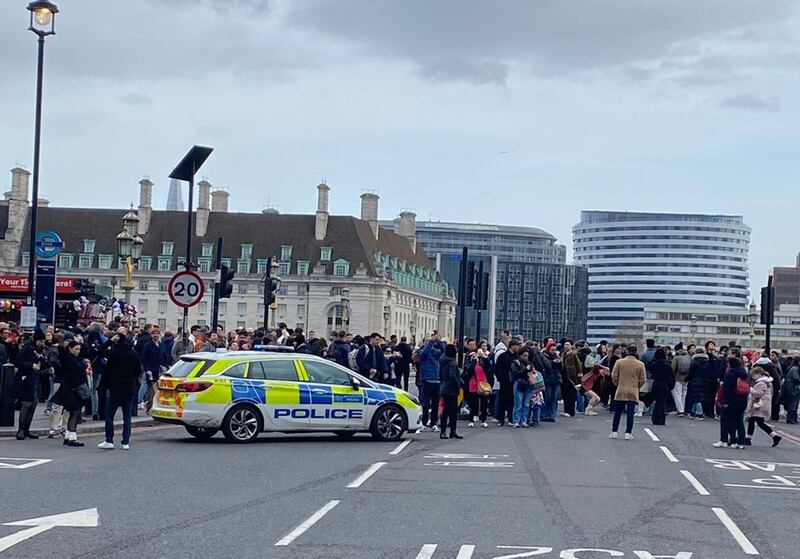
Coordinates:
x,y
760,403
451,380
429,359
122,369
702,384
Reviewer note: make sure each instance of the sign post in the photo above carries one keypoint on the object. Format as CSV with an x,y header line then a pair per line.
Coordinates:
x,y
48,245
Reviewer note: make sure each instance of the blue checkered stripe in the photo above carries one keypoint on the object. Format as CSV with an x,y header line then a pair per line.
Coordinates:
x,y
251,392
375,397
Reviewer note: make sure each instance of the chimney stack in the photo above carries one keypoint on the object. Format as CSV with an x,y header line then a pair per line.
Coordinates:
x,y
17,204
406,226
321,222
203,208
145,205
369,210
19,184
219,201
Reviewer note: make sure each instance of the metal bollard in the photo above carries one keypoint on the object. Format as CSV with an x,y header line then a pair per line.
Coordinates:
x,y
7,395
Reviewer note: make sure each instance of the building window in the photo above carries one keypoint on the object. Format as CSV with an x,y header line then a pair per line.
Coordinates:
x,y
163,286
144,285
341,268
241,288
202,308
162,306
162,324
302,289
285,268
201,322
65,261
325,254
241,308
241,324
207,249
221,324
301,311
167,248
286,252
243,266
85,261
205,264
145,263
302,267
282,309
336,318
142,305
223,307
262,266
88,245
104,261
164,264
247,251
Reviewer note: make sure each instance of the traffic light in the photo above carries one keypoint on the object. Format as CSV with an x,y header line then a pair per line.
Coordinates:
x,y
469,285
767,305
225,285
272,286
485,291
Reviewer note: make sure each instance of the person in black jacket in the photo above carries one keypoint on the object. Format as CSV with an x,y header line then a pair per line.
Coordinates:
x,y
119,381
402,364
451,385
502,372
150,356
663,382
29,363
732,433
73,376
339,350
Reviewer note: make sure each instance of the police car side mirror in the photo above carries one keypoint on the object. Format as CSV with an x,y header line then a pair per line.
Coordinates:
x,y
355,382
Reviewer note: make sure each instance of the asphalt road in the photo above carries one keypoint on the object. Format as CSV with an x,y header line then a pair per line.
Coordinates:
x,y
559,490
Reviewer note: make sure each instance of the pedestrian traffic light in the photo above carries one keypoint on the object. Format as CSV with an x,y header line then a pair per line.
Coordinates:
x,y
767,305
225,285
485,291
469,285
272,286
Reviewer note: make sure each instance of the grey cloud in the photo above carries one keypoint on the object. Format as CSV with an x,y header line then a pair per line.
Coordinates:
x,y
476,73
137,99
556,36
752,103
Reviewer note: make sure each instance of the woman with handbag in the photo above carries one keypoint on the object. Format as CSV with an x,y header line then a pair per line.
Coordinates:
x,y
74,390
520,369
759,406
735,391
478,388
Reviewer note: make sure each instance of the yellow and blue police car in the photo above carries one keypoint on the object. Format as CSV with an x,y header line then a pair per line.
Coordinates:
x,y
245,393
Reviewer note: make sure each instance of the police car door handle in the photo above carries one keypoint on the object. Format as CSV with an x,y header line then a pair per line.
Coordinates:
x,y
319,391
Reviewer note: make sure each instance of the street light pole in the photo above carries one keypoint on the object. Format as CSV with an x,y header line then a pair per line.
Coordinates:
x,y
43,24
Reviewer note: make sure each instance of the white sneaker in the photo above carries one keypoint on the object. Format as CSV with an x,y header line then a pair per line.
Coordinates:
x,y
628,437
613,435
495,420
739,447
512,424
126,447
423,429
435,428
720,444
106,445
564,414
471,424
639,414
484,424
590,411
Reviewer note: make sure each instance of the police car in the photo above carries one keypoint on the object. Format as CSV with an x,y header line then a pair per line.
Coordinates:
x,y
245,393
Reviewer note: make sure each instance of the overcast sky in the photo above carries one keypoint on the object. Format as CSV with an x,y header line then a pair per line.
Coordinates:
x,y
513,112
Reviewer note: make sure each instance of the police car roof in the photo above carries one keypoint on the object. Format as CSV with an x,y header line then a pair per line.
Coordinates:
x,y
217,355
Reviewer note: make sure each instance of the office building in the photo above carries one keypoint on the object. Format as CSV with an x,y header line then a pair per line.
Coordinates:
x,y
786,281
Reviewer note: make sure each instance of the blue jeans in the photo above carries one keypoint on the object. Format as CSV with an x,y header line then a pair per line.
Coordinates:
x,y
522,404
552,392
630,411
125,402
142,389
580,403
494,403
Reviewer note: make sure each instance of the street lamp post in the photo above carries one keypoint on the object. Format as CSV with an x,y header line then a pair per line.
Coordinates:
x,y
412,325
693,328
129,247
752,320
43,23
345,309
387,316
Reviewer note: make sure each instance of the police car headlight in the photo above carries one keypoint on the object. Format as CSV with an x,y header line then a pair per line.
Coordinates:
x,y
414,399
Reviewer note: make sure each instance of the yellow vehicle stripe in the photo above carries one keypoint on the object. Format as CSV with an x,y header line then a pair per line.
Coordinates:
x,y
301,371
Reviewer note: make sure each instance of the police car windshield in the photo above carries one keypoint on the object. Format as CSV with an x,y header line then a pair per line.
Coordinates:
x,y
184,367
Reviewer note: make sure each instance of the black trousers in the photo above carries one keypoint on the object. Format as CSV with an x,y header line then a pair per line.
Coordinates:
x,y
449,413
402,378
72,422
569,395
732,421
478,406
761,422
26,412
776,402
506,406
430,402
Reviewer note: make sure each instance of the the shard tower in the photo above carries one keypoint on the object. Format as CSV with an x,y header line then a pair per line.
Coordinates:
x,y
175,196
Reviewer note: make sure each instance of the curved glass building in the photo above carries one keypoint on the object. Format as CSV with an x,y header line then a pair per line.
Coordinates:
x,y
636,259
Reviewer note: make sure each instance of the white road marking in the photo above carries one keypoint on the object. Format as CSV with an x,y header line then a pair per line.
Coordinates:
x,y
737,534
448,463
465,552
359,481
761,487
695,483
79,519
651,434
400,447
306,524
22,463
668,454
466,456
427,551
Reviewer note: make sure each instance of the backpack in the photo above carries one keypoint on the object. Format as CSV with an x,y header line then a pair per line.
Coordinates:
x,y
684,364
351,359
589,362
742,387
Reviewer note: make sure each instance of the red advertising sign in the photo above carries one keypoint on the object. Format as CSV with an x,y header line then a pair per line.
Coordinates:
x,y
19,284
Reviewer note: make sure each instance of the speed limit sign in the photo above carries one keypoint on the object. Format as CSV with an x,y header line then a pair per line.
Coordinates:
x,y
186,289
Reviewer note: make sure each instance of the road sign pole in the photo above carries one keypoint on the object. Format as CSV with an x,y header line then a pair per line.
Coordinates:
x,y
215,310
267,293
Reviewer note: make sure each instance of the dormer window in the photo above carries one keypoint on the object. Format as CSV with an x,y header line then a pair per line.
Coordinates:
x,y
208,249
341,268
167,248
88,246
325,254
247,251
286,253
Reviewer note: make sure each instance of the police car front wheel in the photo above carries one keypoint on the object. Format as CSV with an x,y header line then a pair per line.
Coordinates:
x,y
242,424
389,423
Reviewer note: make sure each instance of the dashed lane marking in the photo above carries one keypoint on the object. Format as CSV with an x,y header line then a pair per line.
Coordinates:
x,y
668,454
427,551
22,463
306,524
695,483
737,534
400,447
369,472
465,552
651,435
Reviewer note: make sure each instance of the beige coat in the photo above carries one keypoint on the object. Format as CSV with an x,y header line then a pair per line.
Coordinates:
x,y
629,376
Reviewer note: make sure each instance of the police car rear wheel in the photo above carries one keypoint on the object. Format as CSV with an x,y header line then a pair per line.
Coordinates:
x,y
389,424
201,432
242,424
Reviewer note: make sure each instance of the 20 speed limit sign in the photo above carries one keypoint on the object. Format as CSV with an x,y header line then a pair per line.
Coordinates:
x,y
186,289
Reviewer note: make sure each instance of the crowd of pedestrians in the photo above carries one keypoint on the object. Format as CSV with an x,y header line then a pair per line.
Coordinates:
x,y
98,369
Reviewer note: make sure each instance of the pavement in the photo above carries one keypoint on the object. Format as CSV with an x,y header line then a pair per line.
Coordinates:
x,y
560,490
41,423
